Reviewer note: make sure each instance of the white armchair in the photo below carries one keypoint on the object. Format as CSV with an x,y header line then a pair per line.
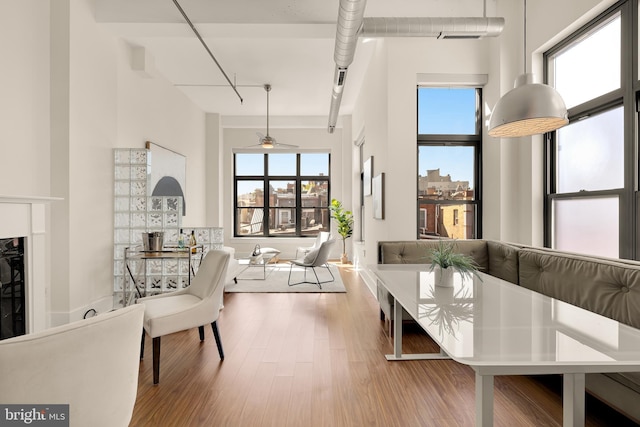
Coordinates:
x,y
322,237
92,365
194,306
315,258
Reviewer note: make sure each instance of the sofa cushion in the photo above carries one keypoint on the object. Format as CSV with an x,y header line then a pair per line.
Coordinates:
x,y
408,252
419,251
603,286
503,261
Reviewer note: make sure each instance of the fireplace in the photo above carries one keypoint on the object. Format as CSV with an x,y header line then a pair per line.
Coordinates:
x,y
12,287
24,265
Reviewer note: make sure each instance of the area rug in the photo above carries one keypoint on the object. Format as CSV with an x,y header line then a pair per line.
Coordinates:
x,y
249,280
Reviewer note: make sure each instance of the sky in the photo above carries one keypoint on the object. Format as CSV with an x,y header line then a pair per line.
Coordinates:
x,y
447,111
454,161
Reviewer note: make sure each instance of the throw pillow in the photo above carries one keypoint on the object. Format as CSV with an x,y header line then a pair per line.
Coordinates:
x,y
269,250
311,256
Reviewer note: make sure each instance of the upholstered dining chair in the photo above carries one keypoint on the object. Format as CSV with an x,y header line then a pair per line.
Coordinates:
x,y
314,258
194,306
92,365
322,237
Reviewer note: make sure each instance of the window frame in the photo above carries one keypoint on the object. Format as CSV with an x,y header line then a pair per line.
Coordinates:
x,y
267,179
626,96
452,140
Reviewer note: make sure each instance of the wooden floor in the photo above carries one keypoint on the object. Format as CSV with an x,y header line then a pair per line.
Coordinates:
x,y
318,360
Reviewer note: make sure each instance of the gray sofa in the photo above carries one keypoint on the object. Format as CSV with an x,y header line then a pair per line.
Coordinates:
x,y
610,287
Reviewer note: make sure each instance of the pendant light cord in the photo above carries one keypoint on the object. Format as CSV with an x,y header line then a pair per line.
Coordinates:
x,y
268,88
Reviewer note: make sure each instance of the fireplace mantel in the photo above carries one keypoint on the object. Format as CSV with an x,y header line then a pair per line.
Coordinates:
x,y
26,216
28,199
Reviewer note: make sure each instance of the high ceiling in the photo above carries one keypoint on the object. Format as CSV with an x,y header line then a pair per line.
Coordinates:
x,y
286,43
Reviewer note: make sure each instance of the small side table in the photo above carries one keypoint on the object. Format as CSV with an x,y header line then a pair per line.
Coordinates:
x,y
131,286
263,261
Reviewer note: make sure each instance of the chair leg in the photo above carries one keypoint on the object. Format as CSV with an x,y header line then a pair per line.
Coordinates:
x,y
201,331
156,360
315,274
290,268
142,344
304,280
216,334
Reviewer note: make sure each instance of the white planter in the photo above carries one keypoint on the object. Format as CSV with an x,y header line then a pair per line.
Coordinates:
x,y
444,277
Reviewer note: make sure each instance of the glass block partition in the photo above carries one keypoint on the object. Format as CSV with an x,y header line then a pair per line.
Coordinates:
x,y
136,213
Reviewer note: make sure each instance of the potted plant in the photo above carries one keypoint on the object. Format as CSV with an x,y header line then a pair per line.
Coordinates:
x,y
444,261
344,219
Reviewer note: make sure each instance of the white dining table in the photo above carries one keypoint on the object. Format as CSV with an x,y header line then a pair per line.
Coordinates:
x,y
498,328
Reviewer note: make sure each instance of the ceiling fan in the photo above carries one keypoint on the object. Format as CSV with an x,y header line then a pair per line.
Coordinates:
x,y
266,141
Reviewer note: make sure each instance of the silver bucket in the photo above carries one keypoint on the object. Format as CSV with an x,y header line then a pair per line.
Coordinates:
x,y
153,241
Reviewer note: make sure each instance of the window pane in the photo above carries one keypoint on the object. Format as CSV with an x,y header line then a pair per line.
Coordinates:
x,y
591,153
249,164
282,221
447,111
588,226
315,220
315,193
250,193
282,193
314,164
452,221
591,67
249,222
445,173
282,164
270,203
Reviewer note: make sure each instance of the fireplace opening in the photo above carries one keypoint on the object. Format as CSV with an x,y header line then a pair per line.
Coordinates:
x,y
12,281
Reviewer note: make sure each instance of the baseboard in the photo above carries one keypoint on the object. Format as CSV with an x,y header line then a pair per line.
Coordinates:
x,y
369,280
102,305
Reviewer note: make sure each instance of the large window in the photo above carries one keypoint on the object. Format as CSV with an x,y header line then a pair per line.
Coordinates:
x,y
449,143
590,162
281,194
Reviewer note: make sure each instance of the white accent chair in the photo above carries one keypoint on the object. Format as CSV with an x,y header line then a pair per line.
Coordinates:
x,y
314,258
92,365
194,306
322,237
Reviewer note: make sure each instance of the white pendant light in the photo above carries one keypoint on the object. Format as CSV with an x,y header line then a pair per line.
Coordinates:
x,y
529,108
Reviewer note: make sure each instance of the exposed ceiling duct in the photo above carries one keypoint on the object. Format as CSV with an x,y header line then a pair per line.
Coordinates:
x,y
351,24
441,28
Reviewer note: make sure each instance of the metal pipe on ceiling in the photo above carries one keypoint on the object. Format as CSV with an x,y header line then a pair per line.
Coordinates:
x,y
351,24
206,47
350,16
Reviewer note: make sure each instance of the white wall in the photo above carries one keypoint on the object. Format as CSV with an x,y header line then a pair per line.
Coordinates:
x,y
24,103
386,110
100,103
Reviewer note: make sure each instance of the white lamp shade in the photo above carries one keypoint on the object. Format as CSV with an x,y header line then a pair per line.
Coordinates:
x,y
529,108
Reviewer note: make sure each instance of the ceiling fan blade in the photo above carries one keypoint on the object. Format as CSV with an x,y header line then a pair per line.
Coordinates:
x,y
286,145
